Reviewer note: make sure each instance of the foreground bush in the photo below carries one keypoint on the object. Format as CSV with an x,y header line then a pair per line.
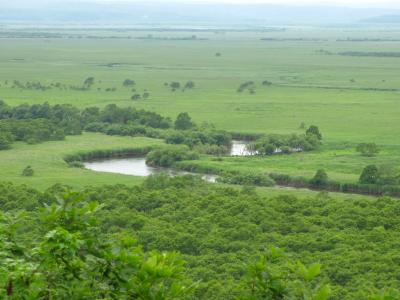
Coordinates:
x,y
68,257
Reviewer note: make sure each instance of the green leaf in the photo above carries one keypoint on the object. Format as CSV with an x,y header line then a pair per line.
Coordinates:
x,y
323,293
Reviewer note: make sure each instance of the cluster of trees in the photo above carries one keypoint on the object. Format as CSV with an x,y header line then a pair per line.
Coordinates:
x,y
247,86
373,181
136,97
74,120
167,156
368,149
34,85
250,86
31,131
182,131
369,54
382,175
64,116
59,244
43,122
200,137
175,85
279,143
246,179
37,85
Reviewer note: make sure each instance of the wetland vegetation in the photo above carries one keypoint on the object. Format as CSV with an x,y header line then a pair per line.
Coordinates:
x,y
294,131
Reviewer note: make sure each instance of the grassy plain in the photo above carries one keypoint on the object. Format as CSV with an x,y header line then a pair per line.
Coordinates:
x,y
50,168
351,99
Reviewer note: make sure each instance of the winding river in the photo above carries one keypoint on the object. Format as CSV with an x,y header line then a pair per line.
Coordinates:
x,y
136,166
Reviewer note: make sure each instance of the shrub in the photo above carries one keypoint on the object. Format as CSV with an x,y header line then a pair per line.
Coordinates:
x,y
184,122
368,149
27,172
5,141
167,156
128,83
320,179
369,175
314,130
136,97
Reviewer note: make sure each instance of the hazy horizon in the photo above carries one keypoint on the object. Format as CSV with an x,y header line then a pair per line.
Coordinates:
x,y
199,12
390,4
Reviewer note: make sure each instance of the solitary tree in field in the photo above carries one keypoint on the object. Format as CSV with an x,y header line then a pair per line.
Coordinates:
x,y
28,171
136,97
369,175
184,122
128,83
175,85
88,82
189,85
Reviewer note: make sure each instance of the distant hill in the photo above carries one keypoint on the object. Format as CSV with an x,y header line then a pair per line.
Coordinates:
x,y
383,19
173,13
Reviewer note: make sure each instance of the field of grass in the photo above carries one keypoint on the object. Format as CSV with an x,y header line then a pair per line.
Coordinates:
x,y
351,99
47,161
343,165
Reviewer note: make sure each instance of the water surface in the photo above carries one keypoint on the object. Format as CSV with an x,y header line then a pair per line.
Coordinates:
x,y
136,166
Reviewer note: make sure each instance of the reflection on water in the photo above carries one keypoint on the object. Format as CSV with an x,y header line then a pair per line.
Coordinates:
x,y
136,167
239,148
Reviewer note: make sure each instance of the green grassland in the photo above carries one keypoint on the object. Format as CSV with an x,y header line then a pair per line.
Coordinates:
x,y
50,168
351,99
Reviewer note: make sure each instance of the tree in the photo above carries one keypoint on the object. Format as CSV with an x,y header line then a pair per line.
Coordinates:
x,y
27,172
128,83
146,95
320,179
368,149
369,175
266,83
175,85
314,130
136,97
5,141
184,122
88,82
189,85
269,149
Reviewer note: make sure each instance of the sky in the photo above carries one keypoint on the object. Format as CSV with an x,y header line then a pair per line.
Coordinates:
x,y
345,3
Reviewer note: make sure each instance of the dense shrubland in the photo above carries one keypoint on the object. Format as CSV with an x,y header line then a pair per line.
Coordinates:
x,y
69,245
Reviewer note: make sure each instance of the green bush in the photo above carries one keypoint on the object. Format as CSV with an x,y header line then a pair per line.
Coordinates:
x,y
167,156
28,171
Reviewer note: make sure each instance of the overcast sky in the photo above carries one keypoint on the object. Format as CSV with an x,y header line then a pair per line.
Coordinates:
x,y
351,3
391,4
